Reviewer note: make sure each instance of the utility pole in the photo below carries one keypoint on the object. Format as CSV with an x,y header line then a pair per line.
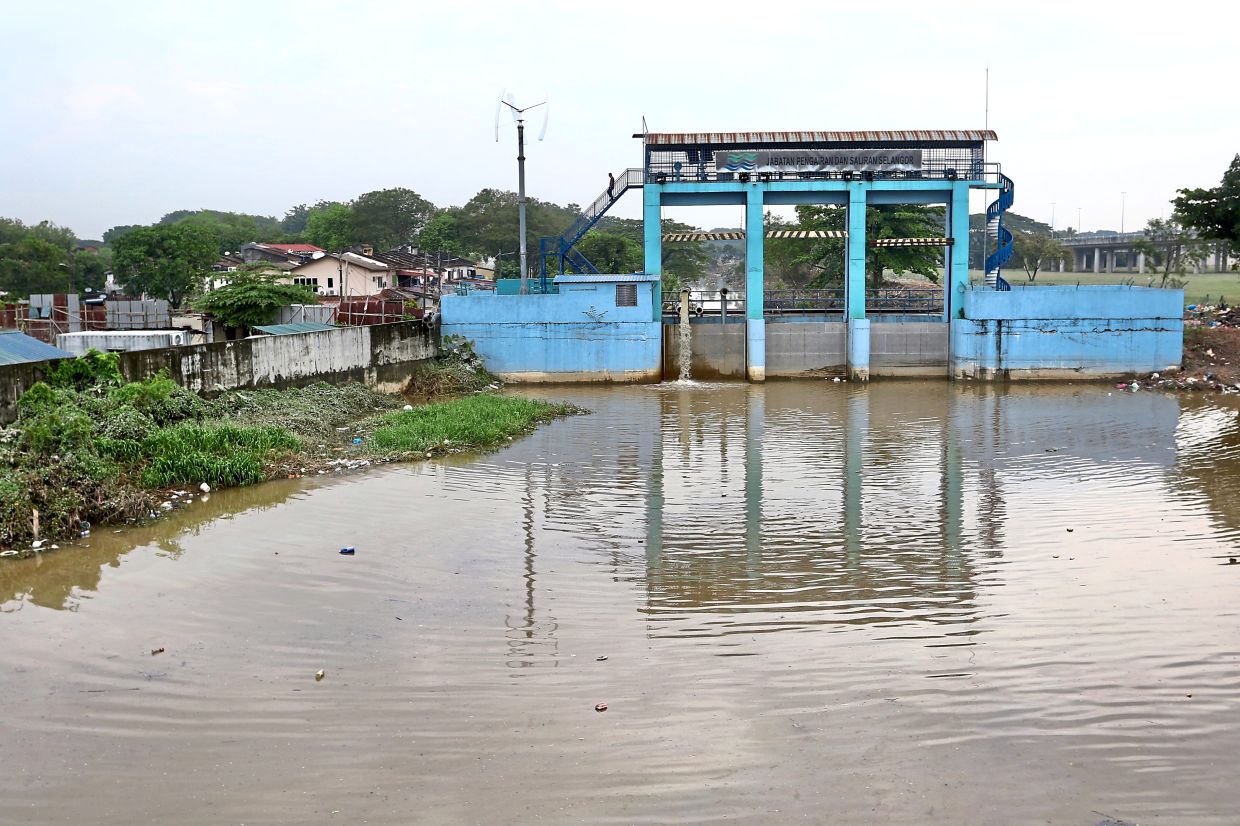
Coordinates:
x,y
1123,203
519,115
1052,219
525,287
1078,220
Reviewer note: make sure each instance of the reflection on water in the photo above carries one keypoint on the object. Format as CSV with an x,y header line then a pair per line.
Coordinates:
x,y
903,603
61,579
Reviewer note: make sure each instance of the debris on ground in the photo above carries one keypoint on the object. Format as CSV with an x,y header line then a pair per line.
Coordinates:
x,y
155,651
600,706
319,675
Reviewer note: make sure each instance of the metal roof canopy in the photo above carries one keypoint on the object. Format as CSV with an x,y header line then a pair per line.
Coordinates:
x,y
904,136
591,278
17,348
294,328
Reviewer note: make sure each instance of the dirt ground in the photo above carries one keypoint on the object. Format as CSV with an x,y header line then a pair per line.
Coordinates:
x,y
1213,352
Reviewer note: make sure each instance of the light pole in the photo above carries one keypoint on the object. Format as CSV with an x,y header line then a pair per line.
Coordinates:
x,y
1078,220
518,114
1123,203
1052,219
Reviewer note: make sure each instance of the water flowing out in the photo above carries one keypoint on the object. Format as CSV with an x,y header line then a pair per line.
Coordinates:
x,y
684,358
804,602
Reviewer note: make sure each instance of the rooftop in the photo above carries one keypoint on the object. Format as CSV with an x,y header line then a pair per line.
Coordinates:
x,y
17,347
954,136
294,328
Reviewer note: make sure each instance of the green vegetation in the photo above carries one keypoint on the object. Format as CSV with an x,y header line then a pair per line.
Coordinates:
x,y
820,262
90,447
86,445
1213,213
44,258
456,369
471,422
251,297
166,260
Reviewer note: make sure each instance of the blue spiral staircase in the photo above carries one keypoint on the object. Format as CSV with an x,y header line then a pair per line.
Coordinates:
x,y
559,250
999,235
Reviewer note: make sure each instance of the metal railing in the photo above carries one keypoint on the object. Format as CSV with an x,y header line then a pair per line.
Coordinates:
x,y
702,303
822,302
985,172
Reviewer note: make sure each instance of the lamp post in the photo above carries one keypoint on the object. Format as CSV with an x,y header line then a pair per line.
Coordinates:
x,y
1052,219
1123,202
519,115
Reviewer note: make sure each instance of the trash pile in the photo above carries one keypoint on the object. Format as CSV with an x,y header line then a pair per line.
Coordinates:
x,y
1212,315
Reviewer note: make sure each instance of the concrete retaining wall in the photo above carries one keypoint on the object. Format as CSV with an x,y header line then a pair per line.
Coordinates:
x,y
579,334
908,348
1067,332
718,349
804,349
379,356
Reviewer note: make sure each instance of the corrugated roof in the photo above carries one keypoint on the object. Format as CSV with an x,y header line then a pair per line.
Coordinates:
x,y
627,278
17,348
294,328
895,136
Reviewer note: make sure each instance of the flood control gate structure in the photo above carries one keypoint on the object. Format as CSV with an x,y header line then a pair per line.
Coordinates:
x,y
855,170
589,326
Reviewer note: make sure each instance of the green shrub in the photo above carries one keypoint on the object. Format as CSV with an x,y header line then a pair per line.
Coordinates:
x,y
57,430
94,369
161,398
128,424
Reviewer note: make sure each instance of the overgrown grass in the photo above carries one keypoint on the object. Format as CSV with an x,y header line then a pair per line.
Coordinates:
x,y
456,369
89,447
478,421
313,412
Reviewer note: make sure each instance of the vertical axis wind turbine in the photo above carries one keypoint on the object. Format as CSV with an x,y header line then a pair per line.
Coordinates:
x,y
518,116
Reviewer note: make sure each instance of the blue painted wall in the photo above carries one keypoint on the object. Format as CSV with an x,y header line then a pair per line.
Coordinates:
x,y
1066,332
578,334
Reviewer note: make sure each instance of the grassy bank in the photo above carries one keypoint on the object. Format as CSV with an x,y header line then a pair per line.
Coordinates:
x,y
89,448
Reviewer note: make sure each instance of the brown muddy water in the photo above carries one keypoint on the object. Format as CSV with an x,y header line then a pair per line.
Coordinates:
x,y
910,603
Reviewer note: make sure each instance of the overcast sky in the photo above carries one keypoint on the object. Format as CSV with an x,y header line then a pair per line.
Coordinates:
x,y
118,113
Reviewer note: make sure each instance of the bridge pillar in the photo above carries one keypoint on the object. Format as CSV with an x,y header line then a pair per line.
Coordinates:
x,y
755,323
1061,265
957,263
1110,261
1097,259
1141,263
854,272
652,240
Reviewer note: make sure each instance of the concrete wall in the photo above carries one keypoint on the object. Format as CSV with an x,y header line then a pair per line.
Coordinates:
x,y
806,349
379,355
718,350
578,334
1067,332
908,348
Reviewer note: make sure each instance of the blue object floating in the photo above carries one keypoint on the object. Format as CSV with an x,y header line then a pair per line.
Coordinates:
x,y
357,440
348,551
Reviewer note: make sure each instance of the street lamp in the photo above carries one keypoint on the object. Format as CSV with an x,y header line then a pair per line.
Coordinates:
x,y
1052,219
1123,202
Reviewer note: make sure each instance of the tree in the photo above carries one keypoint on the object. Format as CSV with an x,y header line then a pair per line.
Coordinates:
x,y
826,255
1173,248
251,297
330,226
389,218
33,266
166,260
488,222
90,269
1213,213
111,236
441,233
1035,251
611,253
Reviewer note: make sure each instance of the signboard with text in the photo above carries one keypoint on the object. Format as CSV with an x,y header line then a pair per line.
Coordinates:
x,y
819,160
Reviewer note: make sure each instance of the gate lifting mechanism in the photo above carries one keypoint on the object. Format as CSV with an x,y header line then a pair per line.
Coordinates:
x,y
737,235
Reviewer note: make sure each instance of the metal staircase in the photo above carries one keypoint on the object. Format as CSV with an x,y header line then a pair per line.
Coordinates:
x,y
999,235
560,248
